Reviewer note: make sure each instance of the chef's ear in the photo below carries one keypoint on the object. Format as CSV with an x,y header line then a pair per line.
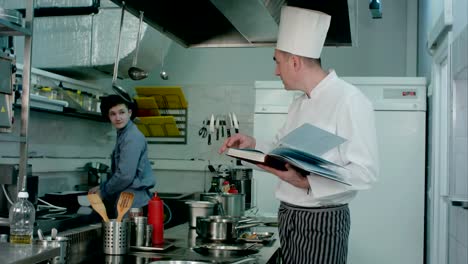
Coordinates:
x,y
297,62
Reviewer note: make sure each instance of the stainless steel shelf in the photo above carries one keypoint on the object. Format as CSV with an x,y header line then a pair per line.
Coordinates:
x,y
9,29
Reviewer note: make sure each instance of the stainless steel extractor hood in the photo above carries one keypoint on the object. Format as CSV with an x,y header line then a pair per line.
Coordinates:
x,y
238,23
83,46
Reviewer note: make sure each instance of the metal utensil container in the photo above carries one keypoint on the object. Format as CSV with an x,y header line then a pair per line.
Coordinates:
x,y
138,235
116,237
199,208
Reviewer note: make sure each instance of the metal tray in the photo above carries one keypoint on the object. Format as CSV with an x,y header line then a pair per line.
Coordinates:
x,y
256,237
162,247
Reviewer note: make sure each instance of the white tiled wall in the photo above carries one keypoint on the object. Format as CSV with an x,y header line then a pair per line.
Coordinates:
x,y
60,145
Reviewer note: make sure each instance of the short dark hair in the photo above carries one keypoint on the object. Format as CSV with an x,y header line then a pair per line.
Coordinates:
x,y
309,61
109,101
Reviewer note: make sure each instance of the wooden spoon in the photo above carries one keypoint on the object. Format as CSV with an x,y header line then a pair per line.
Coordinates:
x,y
98,206
124,204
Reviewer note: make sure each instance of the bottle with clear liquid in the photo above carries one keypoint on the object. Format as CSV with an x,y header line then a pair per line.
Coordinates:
x,y
22,217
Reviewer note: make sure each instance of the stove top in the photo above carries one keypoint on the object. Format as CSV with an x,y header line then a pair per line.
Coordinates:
x,y
65,220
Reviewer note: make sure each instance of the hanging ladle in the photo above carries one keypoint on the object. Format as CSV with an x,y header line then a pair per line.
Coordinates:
x,y
117,89
163,74
134,72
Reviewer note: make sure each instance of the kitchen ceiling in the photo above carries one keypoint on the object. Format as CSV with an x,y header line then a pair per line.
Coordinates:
x,y
237,23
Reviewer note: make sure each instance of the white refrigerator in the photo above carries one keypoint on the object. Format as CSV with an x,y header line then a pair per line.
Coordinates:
x,y
387,221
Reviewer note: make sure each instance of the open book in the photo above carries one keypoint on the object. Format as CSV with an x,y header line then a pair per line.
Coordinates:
x,y
300,148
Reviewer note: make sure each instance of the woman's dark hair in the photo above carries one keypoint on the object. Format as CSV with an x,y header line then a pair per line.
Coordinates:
x,y
109,101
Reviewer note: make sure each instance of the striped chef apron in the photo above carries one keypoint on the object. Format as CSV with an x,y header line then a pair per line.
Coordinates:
x,y
317,235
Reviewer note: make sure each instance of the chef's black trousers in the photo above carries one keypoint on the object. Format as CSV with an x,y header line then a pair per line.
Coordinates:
x,y
314,235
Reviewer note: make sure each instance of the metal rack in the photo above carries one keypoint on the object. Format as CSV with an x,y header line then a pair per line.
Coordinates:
x,y
41,77
181,119
9,29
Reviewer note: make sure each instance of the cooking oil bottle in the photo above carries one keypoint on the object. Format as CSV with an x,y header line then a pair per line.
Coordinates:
x,y
22,216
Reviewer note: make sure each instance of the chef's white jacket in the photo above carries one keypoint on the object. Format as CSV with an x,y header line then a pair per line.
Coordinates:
x,y
342,109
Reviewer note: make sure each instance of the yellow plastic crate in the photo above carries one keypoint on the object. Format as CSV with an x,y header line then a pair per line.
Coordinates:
x,y
158,126
147,106
167,97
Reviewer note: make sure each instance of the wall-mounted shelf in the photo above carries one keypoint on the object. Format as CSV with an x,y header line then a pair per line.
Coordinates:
x,y
9,29
63,85
67,111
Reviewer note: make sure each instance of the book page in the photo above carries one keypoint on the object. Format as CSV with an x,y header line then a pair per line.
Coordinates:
x,y
311,139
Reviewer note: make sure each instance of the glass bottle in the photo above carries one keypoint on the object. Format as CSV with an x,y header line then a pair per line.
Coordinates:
x,y
22,217
214,186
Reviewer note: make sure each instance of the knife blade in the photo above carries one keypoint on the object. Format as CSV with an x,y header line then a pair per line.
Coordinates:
x,y
217,127
236,123
228,124
212,129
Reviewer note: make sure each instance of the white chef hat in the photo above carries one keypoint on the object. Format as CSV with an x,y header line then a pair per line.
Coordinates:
x,y
302,31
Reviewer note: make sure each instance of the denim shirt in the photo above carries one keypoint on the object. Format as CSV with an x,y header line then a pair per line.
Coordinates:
x,y
130,167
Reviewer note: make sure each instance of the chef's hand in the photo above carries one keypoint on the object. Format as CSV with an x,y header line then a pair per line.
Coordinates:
x,y
95,189
290,175
237,141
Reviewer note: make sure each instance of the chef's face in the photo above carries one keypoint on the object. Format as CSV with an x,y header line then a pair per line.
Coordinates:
x,y
119,115
283,68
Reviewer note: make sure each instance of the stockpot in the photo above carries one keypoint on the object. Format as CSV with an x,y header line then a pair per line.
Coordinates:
x,y
222,228
232,204
199,208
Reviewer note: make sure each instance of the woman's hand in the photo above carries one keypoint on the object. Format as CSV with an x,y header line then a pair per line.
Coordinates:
x,y
290,175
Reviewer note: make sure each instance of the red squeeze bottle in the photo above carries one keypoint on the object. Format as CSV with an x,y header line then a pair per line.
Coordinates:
x,y
156,218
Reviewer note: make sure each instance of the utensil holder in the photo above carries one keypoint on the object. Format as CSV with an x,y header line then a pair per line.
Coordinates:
x,y
116,237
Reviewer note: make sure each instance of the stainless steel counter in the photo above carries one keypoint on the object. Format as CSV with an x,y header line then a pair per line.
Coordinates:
x,y
184,239
90,251
27,254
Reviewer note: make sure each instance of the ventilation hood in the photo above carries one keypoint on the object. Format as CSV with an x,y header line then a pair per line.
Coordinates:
x,y
78,39
238,23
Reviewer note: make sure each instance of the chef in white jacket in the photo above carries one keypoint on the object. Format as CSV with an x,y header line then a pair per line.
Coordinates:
x,y
314,219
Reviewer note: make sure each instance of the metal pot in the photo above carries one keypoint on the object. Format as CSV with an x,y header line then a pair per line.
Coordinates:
x,y
231,204
197,209
222,228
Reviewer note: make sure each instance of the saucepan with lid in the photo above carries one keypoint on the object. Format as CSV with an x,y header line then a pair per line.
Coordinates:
x,y
222,228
